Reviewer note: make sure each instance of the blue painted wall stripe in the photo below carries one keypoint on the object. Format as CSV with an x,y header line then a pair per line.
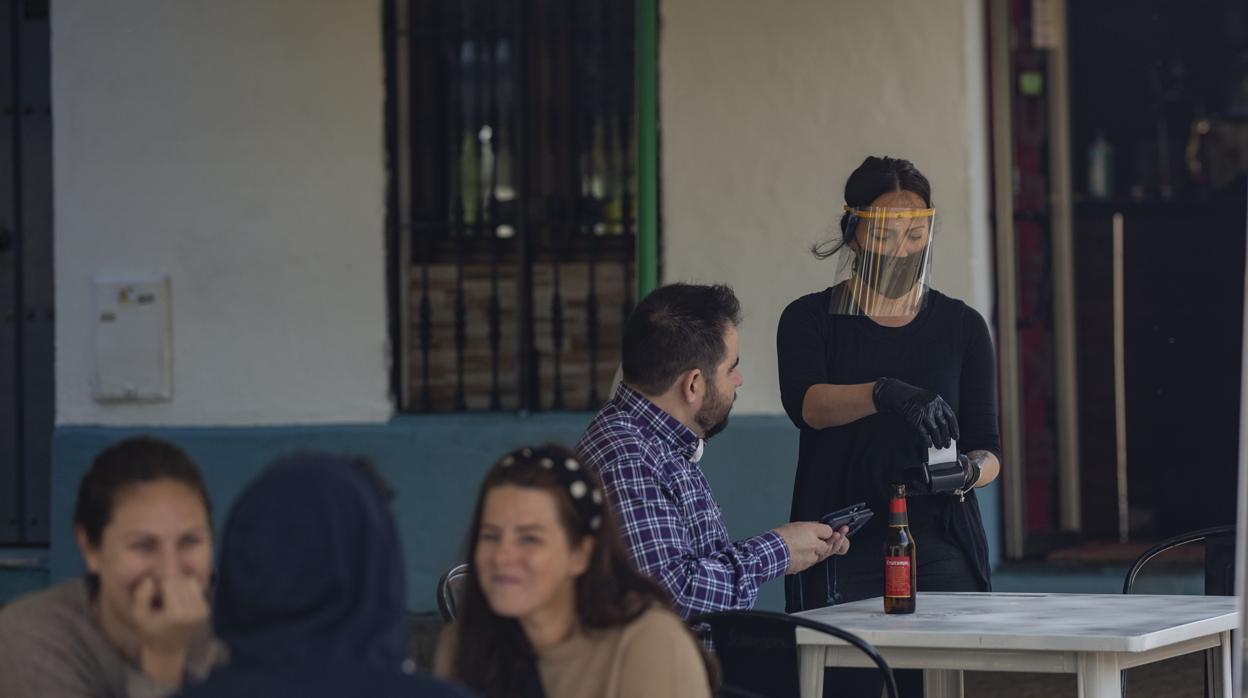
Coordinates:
x,y
435,463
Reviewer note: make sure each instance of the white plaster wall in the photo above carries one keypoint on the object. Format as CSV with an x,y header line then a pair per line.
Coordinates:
x,y
236,145
766,108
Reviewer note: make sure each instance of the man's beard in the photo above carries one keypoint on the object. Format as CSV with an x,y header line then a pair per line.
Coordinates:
x,y
713,417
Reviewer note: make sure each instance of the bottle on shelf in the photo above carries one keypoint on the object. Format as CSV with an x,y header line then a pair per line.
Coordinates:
x,y
1100,167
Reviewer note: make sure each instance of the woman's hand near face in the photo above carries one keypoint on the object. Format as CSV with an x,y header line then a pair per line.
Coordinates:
x,y
167,616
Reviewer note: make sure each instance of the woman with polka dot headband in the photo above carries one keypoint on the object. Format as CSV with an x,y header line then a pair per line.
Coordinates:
x,y
554,605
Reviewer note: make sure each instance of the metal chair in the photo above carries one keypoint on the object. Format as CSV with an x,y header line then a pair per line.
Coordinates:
x,y
1219,558
450,590
757,651
1219,574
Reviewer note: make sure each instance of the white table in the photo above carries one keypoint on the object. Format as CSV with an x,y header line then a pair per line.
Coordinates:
x,y
1094,636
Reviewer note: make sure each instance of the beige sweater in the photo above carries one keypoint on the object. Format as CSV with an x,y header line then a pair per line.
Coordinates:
x,y
654,656
51,647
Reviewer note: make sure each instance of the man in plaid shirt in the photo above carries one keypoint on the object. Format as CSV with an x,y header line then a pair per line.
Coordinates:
x,y
681,374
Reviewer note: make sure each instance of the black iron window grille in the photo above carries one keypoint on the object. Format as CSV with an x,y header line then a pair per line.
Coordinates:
x,y
512,147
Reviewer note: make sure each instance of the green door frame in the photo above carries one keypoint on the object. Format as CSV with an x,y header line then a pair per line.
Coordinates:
x,y
647,148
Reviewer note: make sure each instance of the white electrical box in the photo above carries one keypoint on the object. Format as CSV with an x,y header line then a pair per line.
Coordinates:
x,y
133,340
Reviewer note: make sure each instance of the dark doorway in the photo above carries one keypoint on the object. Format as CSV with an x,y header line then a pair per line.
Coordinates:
x,y
1159,132
26,288
1122,215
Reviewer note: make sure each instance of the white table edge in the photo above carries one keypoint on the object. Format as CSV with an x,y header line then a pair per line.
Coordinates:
x,y
903,637
1037,643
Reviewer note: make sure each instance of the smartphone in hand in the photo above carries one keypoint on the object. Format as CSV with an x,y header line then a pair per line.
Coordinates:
x,y
855,516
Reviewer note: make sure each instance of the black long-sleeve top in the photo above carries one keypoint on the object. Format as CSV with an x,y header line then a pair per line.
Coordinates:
x,y
946,349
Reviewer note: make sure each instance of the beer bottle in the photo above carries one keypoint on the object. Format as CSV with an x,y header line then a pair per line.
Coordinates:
x,y
900,568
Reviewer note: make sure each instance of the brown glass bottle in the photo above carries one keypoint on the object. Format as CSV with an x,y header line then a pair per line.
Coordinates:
x,y
900,567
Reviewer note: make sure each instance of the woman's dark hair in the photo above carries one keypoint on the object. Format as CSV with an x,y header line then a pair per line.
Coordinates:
x,y
136,460
492,653
875,177
677,328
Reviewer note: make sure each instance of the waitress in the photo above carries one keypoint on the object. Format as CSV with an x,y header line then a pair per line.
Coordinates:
x,y
874,371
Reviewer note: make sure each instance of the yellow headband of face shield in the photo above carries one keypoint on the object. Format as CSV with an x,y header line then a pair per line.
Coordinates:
x,y
890,213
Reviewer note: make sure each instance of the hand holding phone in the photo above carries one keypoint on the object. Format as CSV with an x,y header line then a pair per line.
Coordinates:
x,y
855,516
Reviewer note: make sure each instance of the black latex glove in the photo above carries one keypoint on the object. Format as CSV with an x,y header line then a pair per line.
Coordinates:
x,y
938,478
924,410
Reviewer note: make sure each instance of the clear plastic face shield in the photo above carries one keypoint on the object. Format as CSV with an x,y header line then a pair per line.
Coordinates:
x,y
890,258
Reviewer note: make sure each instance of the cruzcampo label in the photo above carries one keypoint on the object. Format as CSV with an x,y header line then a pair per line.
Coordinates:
x,y
897,576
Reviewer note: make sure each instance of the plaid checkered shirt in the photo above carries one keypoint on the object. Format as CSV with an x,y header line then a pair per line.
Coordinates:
x,y
670,521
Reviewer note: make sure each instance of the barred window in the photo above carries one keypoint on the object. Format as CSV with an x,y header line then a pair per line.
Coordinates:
x,y
512,143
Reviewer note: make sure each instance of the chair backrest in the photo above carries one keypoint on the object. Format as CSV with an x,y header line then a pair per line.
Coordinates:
x,y
757,651
1219,558
450,590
